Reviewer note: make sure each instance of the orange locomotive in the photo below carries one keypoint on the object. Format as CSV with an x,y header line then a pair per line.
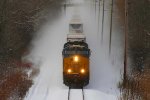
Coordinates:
x,y
76,58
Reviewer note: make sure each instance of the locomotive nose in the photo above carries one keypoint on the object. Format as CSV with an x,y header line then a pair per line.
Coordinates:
x,y
76,77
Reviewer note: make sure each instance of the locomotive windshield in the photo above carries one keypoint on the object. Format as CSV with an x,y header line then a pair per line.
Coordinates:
x,y
72,48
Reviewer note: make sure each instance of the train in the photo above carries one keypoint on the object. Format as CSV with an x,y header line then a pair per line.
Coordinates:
x,y
76,57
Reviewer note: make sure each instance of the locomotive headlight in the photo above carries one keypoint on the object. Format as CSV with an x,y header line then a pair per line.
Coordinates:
x,y
76,58
69,70
82,71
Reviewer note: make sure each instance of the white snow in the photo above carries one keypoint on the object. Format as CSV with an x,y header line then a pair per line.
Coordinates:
x,y
46,54
76,94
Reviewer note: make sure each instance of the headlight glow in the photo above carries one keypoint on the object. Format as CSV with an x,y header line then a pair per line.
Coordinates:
x,y
69,70
82,71
76,58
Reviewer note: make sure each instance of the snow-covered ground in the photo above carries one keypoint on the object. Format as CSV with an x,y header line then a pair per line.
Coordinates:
x,y
105,69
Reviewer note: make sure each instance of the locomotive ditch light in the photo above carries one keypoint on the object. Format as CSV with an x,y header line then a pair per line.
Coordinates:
x,y
76,58
82,71
69,70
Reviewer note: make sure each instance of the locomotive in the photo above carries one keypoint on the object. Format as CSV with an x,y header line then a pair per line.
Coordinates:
x,y
76,57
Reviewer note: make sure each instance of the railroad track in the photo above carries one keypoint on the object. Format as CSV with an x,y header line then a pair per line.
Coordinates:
x,y
69,91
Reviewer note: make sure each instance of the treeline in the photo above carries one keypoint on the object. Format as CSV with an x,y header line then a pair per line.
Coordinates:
x,y
136,84
139,32
19,21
